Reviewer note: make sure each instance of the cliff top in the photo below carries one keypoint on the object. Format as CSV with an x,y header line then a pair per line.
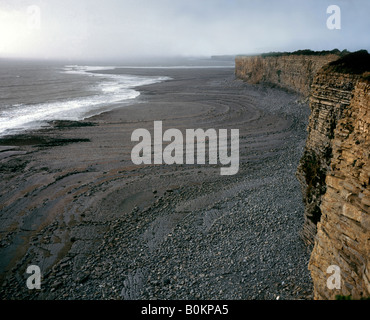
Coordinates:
x,y
307,52
353,63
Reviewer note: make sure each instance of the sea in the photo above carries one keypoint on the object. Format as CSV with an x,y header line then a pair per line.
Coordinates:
x,y
34,93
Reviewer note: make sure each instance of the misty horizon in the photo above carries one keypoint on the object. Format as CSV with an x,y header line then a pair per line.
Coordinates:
x,y
162,29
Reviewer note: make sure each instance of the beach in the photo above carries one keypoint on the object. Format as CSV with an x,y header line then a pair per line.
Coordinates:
x,y
100,227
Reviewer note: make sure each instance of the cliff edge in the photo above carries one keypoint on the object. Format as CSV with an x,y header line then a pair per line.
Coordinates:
x,y
292,71
334,171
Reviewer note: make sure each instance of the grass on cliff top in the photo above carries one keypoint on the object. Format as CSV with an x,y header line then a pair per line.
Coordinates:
x,y
354,63
307,52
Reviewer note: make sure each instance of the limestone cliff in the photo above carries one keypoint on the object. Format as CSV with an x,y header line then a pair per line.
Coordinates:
x,y
343,236
335,168
343,230
331,94
290,71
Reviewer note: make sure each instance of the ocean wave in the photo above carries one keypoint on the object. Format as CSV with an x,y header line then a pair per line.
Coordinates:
x,y
109,91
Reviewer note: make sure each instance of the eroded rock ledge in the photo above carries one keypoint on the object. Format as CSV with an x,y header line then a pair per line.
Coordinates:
x,y
335,168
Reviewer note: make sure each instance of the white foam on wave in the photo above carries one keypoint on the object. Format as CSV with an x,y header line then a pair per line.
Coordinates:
x,y
180,67
111,91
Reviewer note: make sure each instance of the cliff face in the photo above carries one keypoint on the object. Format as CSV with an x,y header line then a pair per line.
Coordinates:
x,y
331,94
335,176
335,168
343,233
293,72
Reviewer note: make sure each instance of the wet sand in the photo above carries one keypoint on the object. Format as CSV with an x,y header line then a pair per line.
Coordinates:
x,y
100,227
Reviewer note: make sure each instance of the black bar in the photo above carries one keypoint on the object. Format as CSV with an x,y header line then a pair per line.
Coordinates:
x,y
210,309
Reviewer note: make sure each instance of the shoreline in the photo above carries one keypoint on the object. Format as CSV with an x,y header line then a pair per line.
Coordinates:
x,y
101,227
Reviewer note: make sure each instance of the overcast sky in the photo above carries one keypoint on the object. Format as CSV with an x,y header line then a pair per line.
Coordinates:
x,y
105,29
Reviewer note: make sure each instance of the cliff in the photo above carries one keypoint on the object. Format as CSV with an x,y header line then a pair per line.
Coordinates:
x,y
339,141
331,94
335,168
290,71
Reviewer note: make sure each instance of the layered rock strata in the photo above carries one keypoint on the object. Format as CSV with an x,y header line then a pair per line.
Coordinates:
x,y
292,72
331,94
343,233
335,168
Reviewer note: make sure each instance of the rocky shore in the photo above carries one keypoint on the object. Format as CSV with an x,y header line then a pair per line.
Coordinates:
x,y
100,227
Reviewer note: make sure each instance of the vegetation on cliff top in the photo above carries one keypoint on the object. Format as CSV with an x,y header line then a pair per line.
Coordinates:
x,y
307,52
354,63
